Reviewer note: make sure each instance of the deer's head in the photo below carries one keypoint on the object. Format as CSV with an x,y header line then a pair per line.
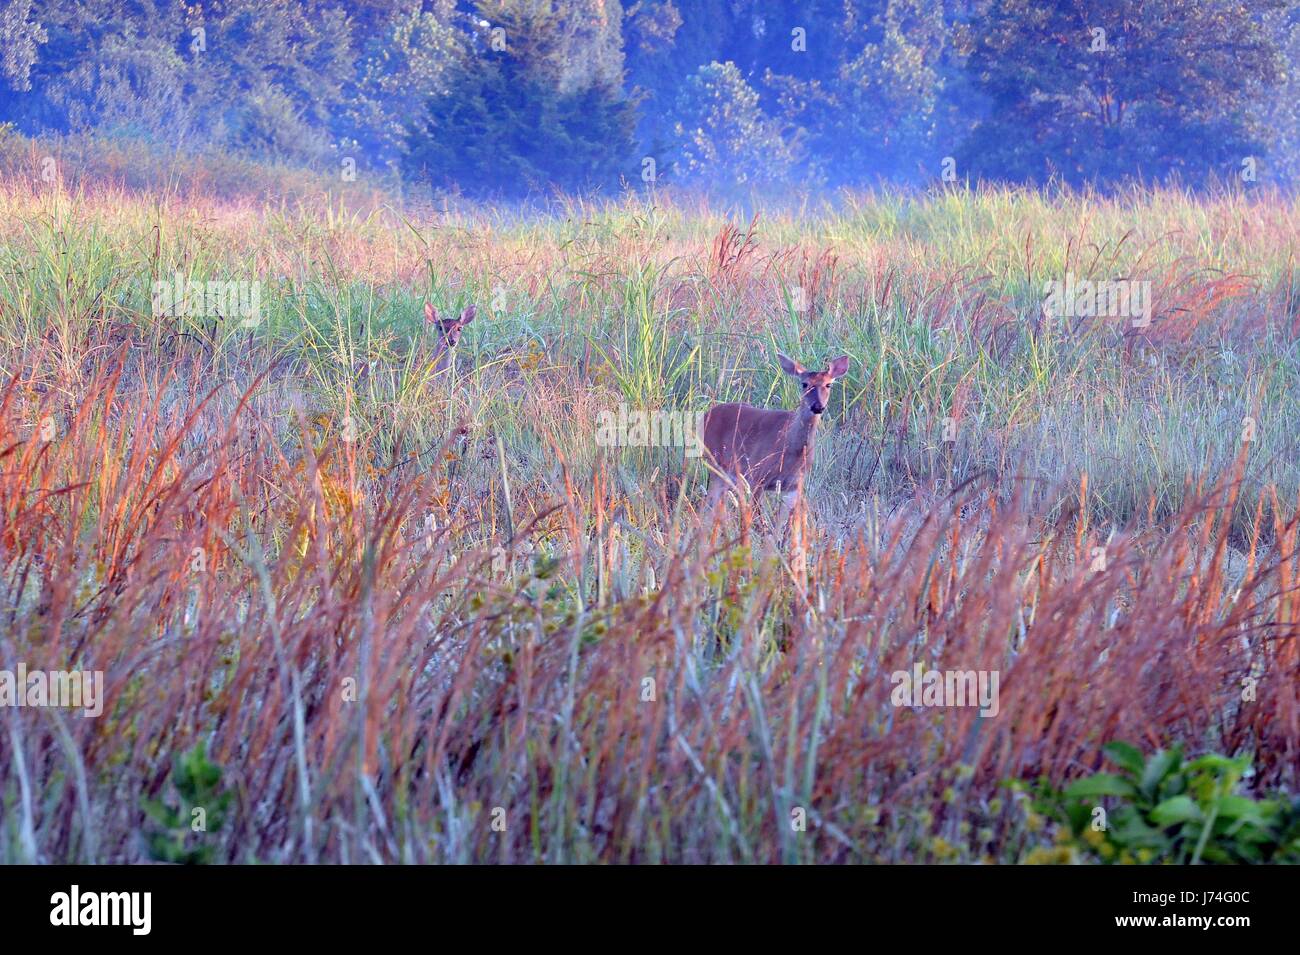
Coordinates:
x,y
447,329
816,384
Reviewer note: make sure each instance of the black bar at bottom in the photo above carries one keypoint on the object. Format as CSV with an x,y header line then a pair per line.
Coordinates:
x,y
335,904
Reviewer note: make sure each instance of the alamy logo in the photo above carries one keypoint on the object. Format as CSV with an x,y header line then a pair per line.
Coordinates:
x,y
922,687
651,429
1114,298
103,908
67,689
189,298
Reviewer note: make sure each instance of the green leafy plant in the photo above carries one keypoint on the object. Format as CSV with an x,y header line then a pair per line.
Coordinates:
x,y
1163,809
202,809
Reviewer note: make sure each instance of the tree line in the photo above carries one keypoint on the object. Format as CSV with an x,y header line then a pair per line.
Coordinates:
x,y
511,97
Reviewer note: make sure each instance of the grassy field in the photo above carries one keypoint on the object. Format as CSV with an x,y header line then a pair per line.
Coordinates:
x,y
418,617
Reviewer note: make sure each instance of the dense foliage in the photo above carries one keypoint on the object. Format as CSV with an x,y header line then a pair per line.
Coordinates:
x,y
502,97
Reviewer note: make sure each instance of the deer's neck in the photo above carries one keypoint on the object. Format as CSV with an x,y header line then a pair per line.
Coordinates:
x,y
802,431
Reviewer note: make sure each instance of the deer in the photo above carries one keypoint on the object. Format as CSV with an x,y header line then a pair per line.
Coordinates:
x,y
770,448
448,330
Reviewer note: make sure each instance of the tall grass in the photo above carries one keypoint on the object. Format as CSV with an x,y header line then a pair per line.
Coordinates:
x,y
420,617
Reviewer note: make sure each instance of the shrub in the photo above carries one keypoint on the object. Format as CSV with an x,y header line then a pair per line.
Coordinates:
x,y
202,806
1169,810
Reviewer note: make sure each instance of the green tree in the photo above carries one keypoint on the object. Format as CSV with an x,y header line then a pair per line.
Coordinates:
x,y
409,59
873,106
1103,90
725,137
20,38
1281,111
104,63
276,71
260,76
535,102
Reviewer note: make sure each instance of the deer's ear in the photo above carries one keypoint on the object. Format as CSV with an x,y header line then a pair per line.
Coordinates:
x,y
839,366
789,365
468,314
430,313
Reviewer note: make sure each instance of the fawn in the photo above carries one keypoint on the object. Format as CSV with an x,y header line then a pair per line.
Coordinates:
x,y
449,330
767,447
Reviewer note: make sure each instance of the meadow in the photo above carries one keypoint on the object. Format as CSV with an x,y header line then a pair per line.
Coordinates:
x,y
356,610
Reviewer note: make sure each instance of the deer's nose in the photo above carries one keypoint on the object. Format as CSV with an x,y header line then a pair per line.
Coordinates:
x,y
818,407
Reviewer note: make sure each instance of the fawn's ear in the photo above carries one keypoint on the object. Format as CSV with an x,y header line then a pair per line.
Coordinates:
x,y
838,367
789,365
430,313
467,316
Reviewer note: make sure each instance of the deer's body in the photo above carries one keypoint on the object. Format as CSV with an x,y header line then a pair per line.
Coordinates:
x,y
770,448
767,447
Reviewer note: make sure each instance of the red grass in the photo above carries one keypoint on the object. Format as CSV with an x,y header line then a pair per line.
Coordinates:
x,y
473,690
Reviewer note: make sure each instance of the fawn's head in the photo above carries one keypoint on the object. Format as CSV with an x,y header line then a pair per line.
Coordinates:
x,y
448,329
816,384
